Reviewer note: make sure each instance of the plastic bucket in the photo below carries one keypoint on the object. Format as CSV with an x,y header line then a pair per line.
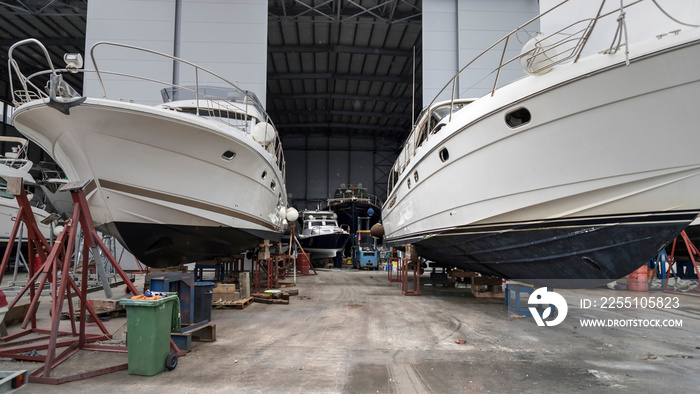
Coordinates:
x,y
203,293
637,280
303,263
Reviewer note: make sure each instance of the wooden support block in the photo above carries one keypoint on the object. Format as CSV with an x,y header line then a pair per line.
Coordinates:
x,y
264,252
458,273
486,280
244,284
205,333
178,268
411,253
106,305
489,294
270,301
17,314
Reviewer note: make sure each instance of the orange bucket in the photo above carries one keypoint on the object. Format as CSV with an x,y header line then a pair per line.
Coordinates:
x,y
637,280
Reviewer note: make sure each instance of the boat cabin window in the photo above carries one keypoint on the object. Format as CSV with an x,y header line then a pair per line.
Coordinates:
x,y
443,112
422,133
434,120
319,223
393,176
519,117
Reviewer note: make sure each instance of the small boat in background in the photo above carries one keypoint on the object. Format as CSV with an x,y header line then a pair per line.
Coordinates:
x,y
15,164
321,235
352,202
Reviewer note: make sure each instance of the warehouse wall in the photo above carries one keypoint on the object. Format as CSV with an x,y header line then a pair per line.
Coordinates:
x,y
317,165
228,37
456,31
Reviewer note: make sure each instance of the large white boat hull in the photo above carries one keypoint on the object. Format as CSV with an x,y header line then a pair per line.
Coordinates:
x,y
159,181
603,176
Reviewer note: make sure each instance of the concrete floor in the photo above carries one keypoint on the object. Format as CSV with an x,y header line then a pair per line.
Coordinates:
x,y
353,332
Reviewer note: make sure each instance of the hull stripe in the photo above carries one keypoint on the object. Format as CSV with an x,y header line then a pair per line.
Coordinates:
x,y
602,220
120,187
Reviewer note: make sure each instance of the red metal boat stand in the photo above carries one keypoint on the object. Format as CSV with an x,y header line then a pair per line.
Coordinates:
x,y
692,253
59,259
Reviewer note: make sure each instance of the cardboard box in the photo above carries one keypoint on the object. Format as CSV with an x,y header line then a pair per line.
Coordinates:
x,y
225,292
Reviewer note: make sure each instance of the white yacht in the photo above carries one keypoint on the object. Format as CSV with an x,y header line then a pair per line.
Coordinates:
x,y
14,163
321,235
197,177
576,174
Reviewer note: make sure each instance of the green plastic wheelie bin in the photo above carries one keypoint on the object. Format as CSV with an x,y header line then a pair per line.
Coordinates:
x,y
148,327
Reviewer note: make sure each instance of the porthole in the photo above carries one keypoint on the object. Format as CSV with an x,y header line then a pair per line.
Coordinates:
x,y
444,154
415,176
519,117
264,175
228,155
408,183
273,185
392,202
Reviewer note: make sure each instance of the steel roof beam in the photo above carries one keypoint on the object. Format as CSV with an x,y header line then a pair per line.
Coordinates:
x,y
339,49
332,76
337,96
352,12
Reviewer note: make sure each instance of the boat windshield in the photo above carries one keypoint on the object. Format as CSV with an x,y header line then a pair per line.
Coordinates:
x,y
180,93
320,223
233,118
177,93
441,112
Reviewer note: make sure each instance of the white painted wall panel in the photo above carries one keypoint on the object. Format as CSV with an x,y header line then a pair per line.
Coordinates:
x,y
482,23
144,23
228,37
440,57
456,31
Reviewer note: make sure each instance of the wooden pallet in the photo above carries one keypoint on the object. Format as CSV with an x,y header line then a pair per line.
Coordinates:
x,y
487,287
238,304
107,313
271,301
498,294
